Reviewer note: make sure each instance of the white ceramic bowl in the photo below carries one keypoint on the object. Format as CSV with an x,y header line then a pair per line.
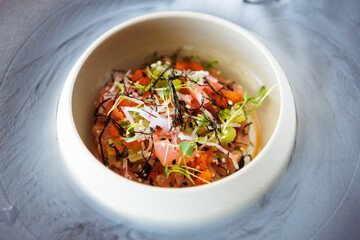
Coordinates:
x,y
241,57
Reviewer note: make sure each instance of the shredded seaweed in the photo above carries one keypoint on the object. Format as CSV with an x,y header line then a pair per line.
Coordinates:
x,y
145,171
119,155
246,126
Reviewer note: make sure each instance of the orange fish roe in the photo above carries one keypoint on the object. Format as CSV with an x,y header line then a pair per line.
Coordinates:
x,y
114,132
201,161
140,77
186,65
235,97
153,175
206,175
232,96
133,144
119,147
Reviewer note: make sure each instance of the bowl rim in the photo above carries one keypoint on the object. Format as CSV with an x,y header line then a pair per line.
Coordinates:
x,y
66,100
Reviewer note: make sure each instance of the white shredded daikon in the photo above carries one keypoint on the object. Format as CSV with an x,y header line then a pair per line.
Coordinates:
x,y
234,125
183,136
154,118
134,100
127,76
209,114
128,115
184,97
166,153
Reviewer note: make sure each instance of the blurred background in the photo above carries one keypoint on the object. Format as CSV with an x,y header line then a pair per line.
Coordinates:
x,y
315,42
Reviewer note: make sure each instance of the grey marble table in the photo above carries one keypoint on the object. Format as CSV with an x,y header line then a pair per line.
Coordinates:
x,y
317,44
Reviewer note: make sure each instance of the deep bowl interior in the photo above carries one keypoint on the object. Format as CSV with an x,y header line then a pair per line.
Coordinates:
x,y
127,49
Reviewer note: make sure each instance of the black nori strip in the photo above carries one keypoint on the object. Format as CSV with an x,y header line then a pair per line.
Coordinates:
x,y
220,166
219,93
177,119
151,152
145,171
241,163
117,126
212,101
242,160
159,78
100,104
230,86
246,126
118,156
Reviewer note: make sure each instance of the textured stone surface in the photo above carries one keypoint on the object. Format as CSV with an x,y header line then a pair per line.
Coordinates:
x,y
317,44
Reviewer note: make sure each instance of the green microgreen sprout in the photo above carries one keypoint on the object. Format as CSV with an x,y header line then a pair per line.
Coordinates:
x,y
187,148
255,102
234,115
179,169
117,102
202,118
163,93
201,140
121,87
211,64
130,128
237,112
124,124
182,86
182,169
142,89
137,106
